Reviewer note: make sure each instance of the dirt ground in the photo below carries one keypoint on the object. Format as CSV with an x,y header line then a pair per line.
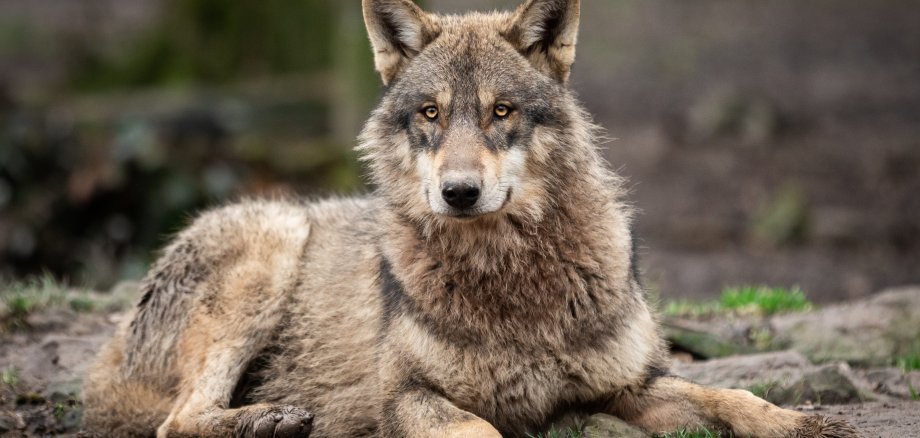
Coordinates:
x,y
51,356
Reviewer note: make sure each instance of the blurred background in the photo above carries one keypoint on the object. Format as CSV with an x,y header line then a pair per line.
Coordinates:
x,y
765,142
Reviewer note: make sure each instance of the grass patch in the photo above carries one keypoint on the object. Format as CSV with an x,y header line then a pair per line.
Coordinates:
x,y
914,395
558,433
909,363
763,390
690,308
760,300
23,298
764,299
701,432
10,376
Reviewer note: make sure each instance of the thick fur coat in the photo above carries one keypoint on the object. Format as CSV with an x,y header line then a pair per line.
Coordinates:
x,y
487,288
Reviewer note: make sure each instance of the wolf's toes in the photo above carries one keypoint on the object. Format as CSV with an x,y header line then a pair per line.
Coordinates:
x,y
280,422
818,426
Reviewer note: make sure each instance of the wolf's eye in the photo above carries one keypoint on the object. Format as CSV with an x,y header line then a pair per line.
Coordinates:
x,y
502,111
431,112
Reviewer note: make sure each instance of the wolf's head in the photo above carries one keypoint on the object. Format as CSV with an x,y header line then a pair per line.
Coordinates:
x,y
476,120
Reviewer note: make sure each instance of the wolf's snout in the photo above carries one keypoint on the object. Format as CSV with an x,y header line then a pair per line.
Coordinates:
x,y
460,194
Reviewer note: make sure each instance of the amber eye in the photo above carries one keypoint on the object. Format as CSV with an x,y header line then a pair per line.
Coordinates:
x,y
431,112
502,111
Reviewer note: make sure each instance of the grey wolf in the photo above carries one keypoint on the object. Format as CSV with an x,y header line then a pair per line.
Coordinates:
x,y
487,286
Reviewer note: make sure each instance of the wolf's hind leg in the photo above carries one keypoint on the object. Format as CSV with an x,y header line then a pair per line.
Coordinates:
x,y
237,311
213,355
667,404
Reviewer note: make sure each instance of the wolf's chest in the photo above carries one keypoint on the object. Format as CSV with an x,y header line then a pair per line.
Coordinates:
x,y
515,388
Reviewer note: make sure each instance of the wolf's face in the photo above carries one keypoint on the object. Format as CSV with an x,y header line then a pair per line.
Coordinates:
x,y
474,105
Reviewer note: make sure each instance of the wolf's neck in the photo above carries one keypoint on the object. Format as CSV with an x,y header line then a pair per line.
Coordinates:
x,y
514,271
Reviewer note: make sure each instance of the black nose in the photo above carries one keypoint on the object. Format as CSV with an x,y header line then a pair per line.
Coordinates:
x,y
460,194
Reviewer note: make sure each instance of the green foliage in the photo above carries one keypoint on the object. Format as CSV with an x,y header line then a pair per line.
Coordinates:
x,y
25,297
762,390
558,433
59,410
909,362
914,395
762,300
82,304
690,308
213,41
10,376
701,432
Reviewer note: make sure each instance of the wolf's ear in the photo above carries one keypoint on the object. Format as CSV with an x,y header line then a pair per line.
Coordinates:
x,y
398,30
545,31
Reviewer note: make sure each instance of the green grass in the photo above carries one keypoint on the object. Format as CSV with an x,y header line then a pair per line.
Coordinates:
x,y
760,300
914,395
691,433
23,298
10,376
558,433
909,363
762,390
764,299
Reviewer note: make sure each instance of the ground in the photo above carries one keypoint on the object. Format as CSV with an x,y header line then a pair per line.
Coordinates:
x,y
44,353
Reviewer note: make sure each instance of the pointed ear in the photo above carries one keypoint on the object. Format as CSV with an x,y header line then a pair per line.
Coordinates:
x,y
398,30
545,31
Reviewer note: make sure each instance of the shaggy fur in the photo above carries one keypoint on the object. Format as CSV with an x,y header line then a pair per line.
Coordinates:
x,y
406,313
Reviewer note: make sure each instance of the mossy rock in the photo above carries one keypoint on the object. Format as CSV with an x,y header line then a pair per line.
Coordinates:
x,y
608,426
827,385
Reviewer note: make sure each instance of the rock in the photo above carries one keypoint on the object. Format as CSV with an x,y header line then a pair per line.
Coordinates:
x,y
829,385
785,378
703,341
608,426
893,382
870,332
746,371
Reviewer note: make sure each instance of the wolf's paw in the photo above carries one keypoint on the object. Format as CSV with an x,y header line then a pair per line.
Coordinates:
x,y
818,426
275,422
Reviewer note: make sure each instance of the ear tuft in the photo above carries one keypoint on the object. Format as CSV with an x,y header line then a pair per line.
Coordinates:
x,y
398,30
546,31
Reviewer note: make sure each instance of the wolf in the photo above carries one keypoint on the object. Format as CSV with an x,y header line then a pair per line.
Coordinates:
x,y
486,288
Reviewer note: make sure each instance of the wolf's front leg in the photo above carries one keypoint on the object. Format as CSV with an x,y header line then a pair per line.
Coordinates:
x,y
417,411
667,404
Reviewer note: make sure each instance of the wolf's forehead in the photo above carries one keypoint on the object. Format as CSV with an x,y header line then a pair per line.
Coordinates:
x,y
470,59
